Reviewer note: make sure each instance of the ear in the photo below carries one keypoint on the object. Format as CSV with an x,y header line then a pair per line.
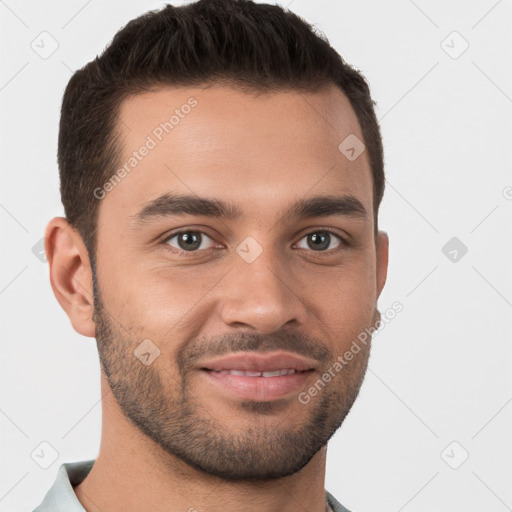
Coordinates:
x,y
382,250
382,256
70,274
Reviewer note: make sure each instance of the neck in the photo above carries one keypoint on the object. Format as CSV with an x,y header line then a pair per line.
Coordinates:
x,y
132,473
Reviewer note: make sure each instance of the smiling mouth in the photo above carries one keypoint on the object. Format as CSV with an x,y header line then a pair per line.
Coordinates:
x,y
260,386
249,373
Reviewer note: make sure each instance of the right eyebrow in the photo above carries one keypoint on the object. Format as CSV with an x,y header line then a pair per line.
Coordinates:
x,y
168,205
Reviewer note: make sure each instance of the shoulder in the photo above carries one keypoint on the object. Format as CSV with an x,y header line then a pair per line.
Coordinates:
x,y
335,504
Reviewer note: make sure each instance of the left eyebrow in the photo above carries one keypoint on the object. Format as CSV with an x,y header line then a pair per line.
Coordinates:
x,y
325,206
169,205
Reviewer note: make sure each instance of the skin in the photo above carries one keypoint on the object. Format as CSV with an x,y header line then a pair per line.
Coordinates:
x,y
261,153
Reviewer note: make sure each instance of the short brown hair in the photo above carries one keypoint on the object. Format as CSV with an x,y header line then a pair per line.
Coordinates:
x,y
252,46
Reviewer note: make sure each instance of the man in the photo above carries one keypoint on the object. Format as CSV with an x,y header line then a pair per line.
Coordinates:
x,y
221,173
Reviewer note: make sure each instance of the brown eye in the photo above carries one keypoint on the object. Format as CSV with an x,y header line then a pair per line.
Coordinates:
x,y
321,240
189,241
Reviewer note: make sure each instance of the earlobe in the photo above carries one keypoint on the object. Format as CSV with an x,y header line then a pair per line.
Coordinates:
x,y
70,274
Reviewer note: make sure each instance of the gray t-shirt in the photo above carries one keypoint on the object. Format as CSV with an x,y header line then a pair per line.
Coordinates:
x,y
62,498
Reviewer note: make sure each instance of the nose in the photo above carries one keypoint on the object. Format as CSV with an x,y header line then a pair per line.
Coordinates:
x,y
262,295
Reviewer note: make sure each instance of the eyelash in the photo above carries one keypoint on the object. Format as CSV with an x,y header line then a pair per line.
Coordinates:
x,y
180,252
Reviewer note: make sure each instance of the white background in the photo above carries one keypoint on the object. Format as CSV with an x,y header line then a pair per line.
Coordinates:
x,y
439,372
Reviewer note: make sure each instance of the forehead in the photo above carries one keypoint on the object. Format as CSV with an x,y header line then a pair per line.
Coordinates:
x,y
254,150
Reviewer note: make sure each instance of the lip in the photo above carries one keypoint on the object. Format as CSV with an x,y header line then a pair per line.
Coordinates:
x,y
258,388
250,361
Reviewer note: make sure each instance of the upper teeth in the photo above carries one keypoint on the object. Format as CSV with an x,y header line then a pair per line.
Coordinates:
x,y
274,373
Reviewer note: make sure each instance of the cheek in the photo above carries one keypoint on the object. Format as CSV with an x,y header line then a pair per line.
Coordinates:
x,y
350,309
343,301
163,304
166,303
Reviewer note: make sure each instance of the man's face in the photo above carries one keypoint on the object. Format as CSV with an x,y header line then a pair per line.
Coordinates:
x,y
292,291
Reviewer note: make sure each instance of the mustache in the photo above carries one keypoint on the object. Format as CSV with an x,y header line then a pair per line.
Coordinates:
x,y
296,343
